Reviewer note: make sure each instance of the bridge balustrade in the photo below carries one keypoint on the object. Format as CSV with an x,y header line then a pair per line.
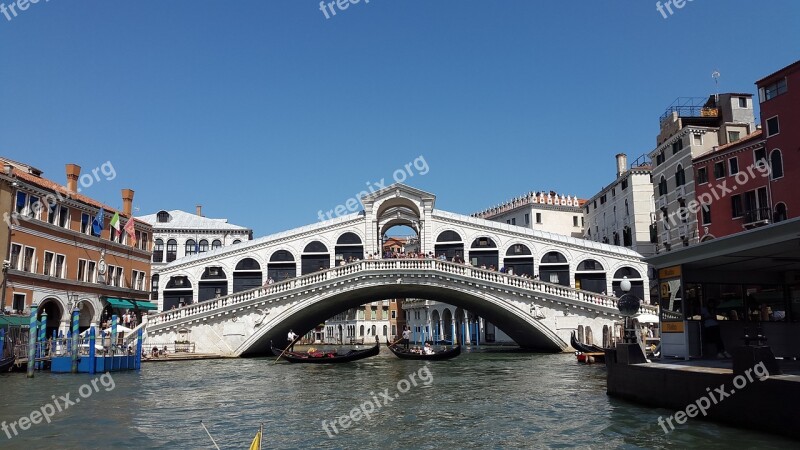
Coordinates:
x,y
534,285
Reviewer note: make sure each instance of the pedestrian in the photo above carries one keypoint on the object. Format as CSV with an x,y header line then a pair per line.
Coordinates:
x,y
711,332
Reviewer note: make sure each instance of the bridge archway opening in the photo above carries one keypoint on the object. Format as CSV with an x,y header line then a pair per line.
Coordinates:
x,y
213,283
52,307
281,266
633,275
436,326
349,247
177,292
519,258
519,326
447,325
399,237
554,268
450,244
483,253
86,315
247,275
315,257
590,276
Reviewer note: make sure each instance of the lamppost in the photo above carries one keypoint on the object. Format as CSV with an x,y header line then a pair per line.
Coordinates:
x,y
628,305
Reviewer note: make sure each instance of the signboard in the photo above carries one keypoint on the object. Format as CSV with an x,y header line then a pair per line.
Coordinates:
x,y
669,272
672,327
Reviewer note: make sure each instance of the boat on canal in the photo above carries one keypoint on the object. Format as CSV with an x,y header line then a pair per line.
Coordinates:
x,y
6,364
402,353
326,357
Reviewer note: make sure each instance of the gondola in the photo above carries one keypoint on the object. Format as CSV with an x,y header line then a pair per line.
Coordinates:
x,y
438,356
6,364
585,353
327,357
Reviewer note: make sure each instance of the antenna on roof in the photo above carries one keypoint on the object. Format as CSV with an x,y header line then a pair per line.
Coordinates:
x,y
715,75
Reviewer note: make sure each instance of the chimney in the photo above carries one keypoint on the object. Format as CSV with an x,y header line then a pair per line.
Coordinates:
x,y
127,202
622,163
73,172
199,210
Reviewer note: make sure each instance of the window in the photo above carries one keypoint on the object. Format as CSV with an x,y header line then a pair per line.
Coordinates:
x,y
574,221
706,210
624,184
34,208
81,270
776,164
733,136
733,166
394,314
373,313
91,272
137,278
27,259
113,234
614,192
144,241
59,272
203,246
52,213
538,217
514,221
603,199
63,217
48,263
158,251
760,156
22,200
172,250
237,241
527,218
86,223
742,102
660,158
662,186
737,209
508,221
680,177
18,302
110,275
773,90
702,175
697,139
162,217
627,237
677,146
719,170
216,244
16,249
773,126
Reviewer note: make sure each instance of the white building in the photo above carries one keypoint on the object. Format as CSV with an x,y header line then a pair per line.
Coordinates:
x,y
360,325
543,211
621,213
690,128
430,320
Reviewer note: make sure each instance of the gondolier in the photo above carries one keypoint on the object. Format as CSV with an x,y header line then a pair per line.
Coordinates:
x,y
291,337
406,337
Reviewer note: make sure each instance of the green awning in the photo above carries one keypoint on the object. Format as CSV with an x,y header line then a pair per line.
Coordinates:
x,y
119,303
124,303
145,306
14,321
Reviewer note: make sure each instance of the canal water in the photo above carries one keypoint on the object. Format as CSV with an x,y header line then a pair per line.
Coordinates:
x,y
479,400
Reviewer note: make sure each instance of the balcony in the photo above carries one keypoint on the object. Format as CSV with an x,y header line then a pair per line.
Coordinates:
x,y
757,217
681,191
662,202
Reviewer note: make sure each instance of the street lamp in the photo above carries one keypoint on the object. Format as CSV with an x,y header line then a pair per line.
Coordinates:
x,y
628,305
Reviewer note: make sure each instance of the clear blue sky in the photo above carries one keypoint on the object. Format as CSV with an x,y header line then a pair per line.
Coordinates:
x,y
265,112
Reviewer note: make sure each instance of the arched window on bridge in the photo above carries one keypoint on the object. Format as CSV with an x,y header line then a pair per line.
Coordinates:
x,y
349,247
213,284
450,244
315,257
590,276
554,268
519,259
247,275
633,275
177,293
483,253
281,266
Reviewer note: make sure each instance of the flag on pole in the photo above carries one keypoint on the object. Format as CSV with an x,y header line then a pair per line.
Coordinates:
x,y
131,233
115,221
97,223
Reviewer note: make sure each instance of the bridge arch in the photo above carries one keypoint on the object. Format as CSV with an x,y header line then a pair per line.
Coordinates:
x,y
483,252
177,292
315,257
213,283
590,275
400,203
54,307
554,267
349,246
282,265
519,258
247,274
451,244
88,314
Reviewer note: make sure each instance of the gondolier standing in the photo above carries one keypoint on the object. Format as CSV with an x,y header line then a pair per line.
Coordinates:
x,y
406,337
291,338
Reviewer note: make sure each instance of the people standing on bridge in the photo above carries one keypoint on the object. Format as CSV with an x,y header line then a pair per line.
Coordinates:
x,y
291,337
406,337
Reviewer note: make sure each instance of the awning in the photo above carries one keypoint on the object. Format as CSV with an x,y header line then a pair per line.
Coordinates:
x,y
14,321
124,303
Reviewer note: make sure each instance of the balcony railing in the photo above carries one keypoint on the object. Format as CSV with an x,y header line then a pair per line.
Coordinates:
x,y
757,216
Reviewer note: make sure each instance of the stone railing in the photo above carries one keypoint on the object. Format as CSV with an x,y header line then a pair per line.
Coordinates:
x,y
399,267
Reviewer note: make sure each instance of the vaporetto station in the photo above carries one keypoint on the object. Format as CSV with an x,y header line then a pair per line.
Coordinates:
x,y
221,300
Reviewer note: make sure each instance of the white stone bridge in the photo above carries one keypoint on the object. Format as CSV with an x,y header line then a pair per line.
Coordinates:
x,y
311,283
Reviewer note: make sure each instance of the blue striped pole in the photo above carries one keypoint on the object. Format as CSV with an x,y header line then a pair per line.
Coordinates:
x,y
74,341
32,341
2,342
92,357
42,339
453,326
113,345
139,339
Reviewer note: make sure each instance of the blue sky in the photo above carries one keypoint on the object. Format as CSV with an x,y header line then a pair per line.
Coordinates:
x,y
266,112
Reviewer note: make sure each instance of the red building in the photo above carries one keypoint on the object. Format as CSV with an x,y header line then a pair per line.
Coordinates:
x,y
779,95
749,182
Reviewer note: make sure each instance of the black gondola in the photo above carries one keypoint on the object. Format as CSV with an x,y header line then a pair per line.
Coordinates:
x,y
327,357
438,356
6,364
584,348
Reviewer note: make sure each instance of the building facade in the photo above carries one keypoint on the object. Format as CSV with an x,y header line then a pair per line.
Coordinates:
x,y
429,320
690,128
543,211
362,324
57,260
621,213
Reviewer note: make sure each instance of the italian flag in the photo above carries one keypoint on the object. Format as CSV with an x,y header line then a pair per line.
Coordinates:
x,y
115,222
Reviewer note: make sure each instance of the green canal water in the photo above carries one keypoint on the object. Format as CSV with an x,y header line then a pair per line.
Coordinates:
x,y
479,400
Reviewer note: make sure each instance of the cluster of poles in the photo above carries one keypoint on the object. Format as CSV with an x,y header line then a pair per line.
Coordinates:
x,y
473,328
40,348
